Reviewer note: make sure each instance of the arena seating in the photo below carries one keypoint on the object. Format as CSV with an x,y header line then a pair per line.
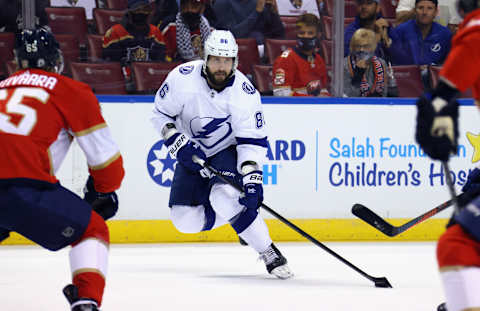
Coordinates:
x,y
434,76
149,76
103,78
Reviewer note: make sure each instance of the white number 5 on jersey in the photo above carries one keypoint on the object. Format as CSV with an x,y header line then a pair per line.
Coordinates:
x,y
14,105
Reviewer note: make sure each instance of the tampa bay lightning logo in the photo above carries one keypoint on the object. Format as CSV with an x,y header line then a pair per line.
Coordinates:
x,y
248,88
209,131
160,164
185,70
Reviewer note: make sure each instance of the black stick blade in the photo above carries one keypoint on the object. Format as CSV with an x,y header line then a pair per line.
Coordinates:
x,y
367,215
382,282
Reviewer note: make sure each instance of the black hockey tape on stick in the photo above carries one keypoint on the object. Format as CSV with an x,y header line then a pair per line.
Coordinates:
x,y
371,218
374,220
378,281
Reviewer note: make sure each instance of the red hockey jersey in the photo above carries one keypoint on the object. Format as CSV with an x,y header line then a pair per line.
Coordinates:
x,y
462,65
292,73
40,114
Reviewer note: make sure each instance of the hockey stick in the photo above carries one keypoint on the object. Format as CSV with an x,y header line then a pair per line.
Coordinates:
x,y
369,216
379,281
450,185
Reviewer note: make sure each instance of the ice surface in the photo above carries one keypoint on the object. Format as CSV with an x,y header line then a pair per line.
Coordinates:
x,y
226,276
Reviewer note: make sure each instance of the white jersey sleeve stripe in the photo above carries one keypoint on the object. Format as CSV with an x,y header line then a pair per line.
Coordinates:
x,y
99,147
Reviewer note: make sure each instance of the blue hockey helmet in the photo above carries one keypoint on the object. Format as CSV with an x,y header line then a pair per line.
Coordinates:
x,y
38,48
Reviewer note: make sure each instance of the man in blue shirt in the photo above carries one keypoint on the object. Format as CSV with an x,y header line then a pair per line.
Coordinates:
x,y
368,17
420,41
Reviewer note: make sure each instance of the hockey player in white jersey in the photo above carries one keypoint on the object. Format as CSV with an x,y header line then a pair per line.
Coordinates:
x,y
209,109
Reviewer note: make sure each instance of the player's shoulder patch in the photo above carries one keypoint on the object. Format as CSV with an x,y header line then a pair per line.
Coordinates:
x,y
185,70
279,77
285,53
248,88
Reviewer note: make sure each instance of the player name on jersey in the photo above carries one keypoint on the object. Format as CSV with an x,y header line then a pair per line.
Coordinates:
x,y
30,79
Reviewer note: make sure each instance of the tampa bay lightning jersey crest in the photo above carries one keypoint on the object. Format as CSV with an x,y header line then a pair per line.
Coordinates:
x,y
210,131
186,69
215,120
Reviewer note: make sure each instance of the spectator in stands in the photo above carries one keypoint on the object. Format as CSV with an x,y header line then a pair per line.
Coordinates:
x,y
165,12
448,15
257,19
301,71
11,17
365,75
187,31
369,17
299,7
420,41
134,39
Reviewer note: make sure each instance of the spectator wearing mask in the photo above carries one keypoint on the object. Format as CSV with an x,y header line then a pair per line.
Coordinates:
x,y
369,17
420,41
365,75
165,12
257,19
301,71
134,39
186,34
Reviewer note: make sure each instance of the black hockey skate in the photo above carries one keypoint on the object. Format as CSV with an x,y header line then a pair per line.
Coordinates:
x,y
275,262
79,304
442,307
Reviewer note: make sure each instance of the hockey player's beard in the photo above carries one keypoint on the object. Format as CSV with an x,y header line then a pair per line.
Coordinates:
x,y
219,83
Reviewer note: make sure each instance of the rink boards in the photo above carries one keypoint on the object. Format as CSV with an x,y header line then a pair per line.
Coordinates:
x,y
324,156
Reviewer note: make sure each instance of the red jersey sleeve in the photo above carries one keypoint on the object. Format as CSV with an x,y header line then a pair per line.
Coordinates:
x,y
284,74
86,124
461,65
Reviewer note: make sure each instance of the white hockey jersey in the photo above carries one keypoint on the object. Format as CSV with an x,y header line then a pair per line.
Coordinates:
x,y
214,120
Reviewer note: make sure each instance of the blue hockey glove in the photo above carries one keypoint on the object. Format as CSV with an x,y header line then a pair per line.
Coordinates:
x,y
469,218
182,148
253,190
437,128
473,181
105,204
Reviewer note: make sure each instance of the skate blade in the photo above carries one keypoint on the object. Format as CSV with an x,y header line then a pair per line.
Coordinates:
x,y
282,272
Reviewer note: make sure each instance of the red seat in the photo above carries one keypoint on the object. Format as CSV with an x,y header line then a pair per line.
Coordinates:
x,y
434,76
351,9
104,78
287,19
290,31
262,75
326,48
117,4
7,43
327,25
275,47
149,76
388,7
106,18
409,80
11,67
94,47
68,20
247,55
70,50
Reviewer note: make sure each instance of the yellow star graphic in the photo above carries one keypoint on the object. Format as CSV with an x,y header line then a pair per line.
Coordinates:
x,y
475,142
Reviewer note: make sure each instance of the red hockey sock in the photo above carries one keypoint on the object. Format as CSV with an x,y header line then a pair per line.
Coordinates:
x,y
90,285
